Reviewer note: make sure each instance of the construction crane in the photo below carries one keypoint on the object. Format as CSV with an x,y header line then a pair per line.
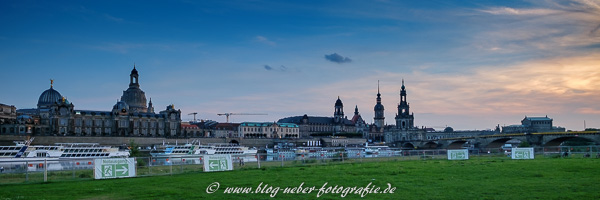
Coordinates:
x,y
227,114
194,113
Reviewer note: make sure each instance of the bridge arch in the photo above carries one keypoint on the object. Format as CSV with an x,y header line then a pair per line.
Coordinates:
x,y
497,143
560,140
234,142
408,145
430,145
457,144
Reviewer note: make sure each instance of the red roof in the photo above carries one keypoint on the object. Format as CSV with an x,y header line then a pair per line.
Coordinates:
x,y
188,126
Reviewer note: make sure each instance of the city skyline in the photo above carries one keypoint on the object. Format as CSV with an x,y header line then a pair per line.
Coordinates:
x,y
466,65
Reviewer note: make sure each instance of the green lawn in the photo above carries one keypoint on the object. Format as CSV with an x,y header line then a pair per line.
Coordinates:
x,y
479,178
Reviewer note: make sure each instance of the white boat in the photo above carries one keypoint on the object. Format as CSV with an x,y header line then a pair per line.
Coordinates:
x,y
281,151
202,149
90,150
25,152
229,149
376,150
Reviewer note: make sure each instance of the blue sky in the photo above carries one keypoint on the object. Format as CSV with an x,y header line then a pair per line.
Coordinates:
x,y
469,65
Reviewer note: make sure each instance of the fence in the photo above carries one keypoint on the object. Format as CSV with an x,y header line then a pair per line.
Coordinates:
x,y
82,169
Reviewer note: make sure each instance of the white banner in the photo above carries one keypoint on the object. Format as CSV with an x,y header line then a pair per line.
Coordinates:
x,y
218,163
522,153
114,168
458,154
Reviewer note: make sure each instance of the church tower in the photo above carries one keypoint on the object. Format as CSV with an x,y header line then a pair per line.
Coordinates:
x,y
379,110
134,96
338,115
404,119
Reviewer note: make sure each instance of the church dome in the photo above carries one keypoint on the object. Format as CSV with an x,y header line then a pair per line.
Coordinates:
x,y
49,97
134,96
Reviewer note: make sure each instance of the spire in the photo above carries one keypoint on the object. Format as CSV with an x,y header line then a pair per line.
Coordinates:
x,y
403,84
150,107
51,82
377,86
356,110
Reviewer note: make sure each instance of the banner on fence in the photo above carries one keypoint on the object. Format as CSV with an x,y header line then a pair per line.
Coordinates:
x,y
458,154
522,153
217,163
114,168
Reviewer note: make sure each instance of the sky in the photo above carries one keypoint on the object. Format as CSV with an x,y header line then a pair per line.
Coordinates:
x,y
466,64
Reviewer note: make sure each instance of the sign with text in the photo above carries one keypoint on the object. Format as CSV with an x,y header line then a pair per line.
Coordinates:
x,y
217,163
458,154
114,168
522,153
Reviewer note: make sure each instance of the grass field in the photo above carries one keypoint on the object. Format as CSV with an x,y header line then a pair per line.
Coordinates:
x,y
482,178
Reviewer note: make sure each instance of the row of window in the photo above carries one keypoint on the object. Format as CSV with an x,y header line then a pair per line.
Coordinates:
x,y
10,148
180,151
107,123
254,129
8,154
46,148
83,150
68,155
541,122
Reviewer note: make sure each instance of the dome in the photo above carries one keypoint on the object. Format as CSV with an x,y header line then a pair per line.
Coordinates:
x,y
134,71
49,97
135,98
339,102
378,107
448,130
121,106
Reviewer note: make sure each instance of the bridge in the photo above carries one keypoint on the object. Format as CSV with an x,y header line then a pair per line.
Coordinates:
x,y
547,139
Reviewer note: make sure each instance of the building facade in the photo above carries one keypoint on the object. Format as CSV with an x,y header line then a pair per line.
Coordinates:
x,y
315,125
227,130
8,114
130,116
268,130
533,125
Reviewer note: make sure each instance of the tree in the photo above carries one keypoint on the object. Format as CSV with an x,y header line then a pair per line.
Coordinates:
x,y
134,150
524,144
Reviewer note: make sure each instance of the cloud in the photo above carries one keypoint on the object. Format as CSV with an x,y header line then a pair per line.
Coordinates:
x,y
514,11
264,40
337,58
547,27
281,68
